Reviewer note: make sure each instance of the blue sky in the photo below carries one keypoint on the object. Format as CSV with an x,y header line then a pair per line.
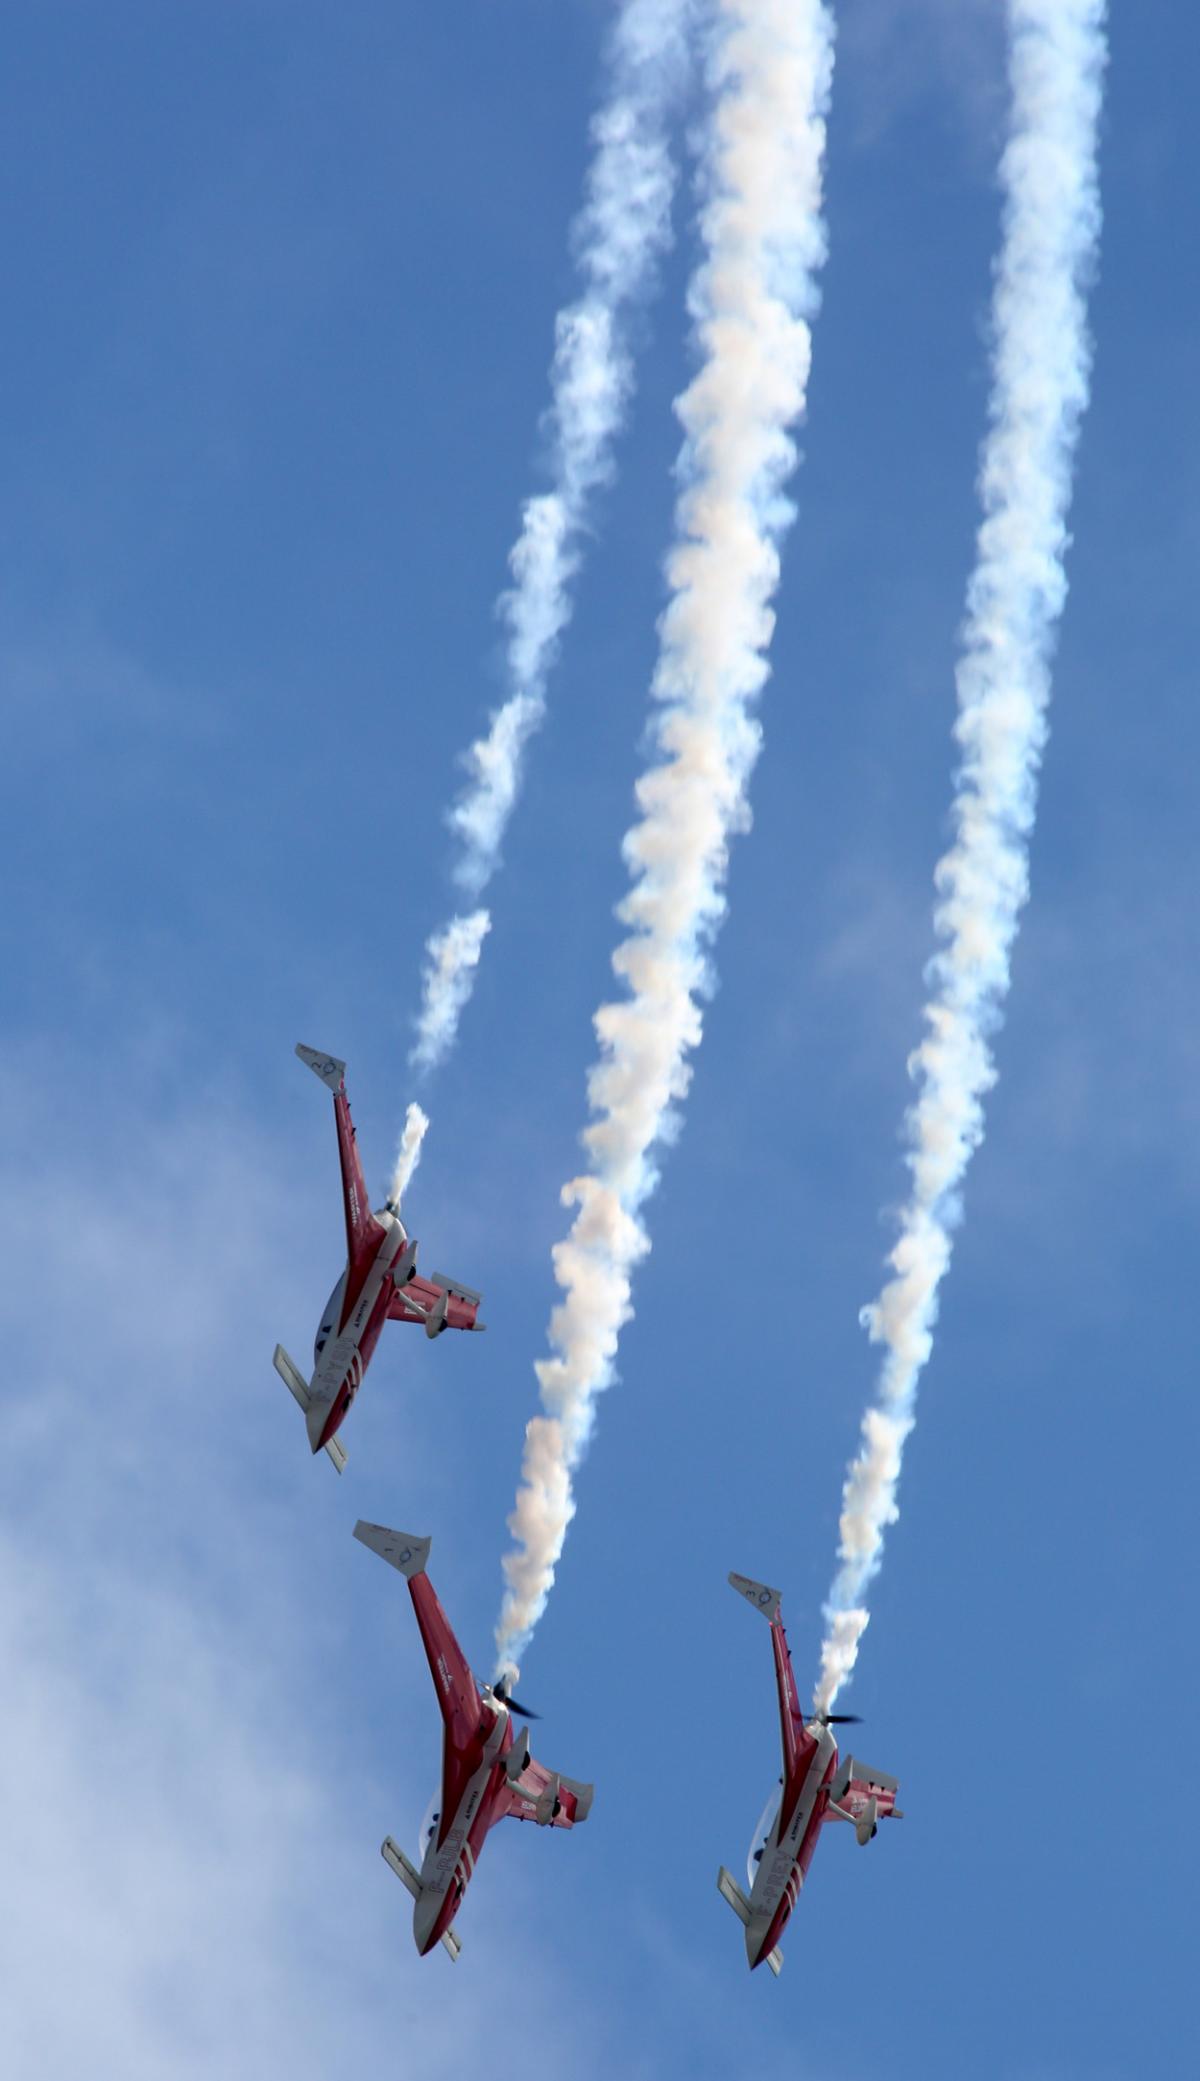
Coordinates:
x,y
281,283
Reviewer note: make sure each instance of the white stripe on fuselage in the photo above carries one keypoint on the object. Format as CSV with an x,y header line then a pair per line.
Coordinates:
x,y
453,1857
341,1354
779,1867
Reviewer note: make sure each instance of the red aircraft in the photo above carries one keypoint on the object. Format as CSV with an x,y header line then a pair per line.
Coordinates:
x,y
815,1788
487,1770
380,1284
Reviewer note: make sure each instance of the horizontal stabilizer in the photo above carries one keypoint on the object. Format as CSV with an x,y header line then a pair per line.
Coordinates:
x,y
402,1549
775,1961
293,1379
728,1888
757,1594
327,1067
452,1943
406,1873
461,1293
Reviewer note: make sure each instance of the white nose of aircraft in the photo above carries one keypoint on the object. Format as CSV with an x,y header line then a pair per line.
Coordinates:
x,y
756,1936
316,1417
425,1914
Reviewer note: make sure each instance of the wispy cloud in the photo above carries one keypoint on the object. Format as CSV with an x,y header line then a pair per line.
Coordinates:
x,y
194,1816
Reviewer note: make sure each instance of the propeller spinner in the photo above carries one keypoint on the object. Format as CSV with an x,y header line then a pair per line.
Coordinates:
x,y
500,1689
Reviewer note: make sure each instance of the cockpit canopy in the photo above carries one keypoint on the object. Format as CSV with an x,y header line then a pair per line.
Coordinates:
x,y
762,1834
330,1317
429,1826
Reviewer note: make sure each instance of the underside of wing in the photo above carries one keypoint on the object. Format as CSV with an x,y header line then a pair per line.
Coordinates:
x,y
435,1303
545,1796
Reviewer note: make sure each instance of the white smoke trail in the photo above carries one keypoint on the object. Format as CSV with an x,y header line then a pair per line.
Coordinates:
x,y
771,66
620,235
408,1156
452,957
1041,368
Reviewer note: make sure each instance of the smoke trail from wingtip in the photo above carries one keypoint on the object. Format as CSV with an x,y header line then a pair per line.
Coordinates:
x,y
771,66
1041,370
620,236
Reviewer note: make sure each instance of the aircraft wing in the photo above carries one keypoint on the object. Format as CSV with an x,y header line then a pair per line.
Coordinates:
x,y
437,1302
863,1796
797,1743
544,1796
457,1692
363,1232
853,1776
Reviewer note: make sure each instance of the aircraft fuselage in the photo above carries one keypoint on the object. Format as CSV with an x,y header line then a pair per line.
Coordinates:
x,y
789,1848
449,1863
350,1328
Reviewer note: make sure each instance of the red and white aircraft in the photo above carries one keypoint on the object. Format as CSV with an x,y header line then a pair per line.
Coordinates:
x,y
815,1788
487,1770
380,1284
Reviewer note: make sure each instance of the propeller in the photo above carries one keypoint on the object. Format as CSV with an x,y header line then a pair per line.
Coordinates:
x,y
839,1719
500,1689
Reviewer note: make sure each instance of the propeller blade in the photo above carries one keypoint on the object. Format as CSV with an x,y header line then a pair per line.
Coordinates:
x,y
514,1705
842,1719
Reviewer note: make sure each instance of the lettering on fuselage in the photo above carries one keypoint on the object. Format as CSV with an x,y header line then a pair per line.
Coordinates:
x,y
780,1873
454,1860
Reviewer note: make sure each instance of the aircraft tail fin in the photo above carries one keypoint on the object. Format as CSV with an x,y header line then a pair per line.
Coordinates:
x,y
327,1067
404,1551
757,1594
